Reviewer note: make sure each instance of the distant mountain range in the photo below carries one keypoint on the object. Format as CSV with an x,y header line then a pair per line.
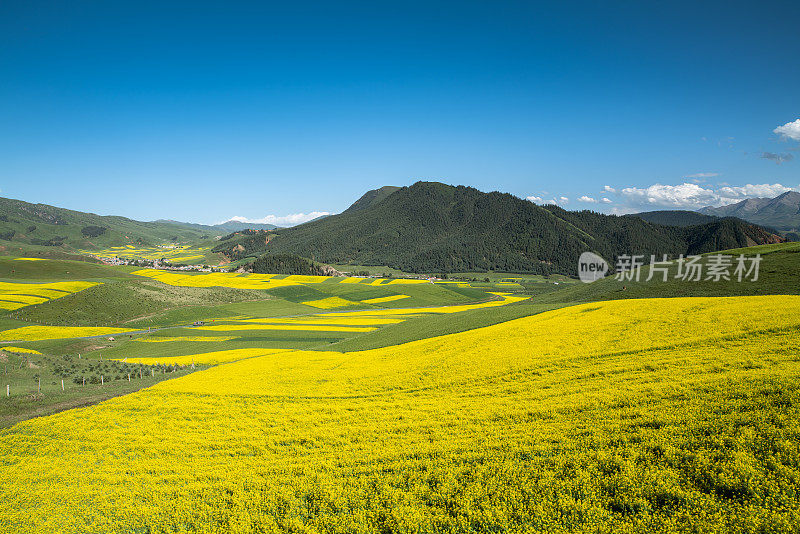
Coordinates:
x,y
781,212
426,227
226,227
431,227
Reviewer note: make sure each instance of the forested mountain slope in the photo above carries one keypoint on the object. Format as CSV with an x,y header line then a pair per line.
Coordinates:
x,y
429,227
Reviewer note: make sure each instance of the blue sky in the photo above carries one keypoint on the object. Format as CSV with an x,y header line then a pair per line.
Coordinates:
x,y
203,111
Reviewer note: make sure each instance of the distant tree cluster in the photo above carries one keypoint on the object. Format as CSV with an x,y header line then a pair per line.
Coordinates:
x,y
286,264
55,241
240,233
93,231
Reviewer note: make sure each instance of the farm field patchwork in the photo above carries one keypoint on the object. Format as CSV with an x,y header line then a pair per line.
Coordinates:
x,y
257,281
170,253
586,418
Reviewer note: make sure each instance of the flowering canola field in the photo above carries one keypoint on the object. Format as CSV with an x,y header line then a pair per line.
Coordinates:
x,y
257,281
39,333
602,417
20,350
330,302
15,295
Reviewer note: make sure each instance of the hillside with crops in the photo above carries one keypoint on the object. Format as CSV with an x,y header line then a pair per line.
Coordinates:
x,y
185,401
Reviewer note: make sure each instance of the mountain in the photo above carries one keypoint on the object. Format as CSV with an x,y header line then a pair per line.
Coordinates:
x,y
222,228
237,226
371,197
781,212
43,225
430,227
675,217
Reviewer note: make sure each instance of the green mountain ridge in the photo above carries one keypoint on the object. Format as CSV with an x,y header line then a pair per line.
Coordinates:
x,y
430,227
371,197
26,224
675,217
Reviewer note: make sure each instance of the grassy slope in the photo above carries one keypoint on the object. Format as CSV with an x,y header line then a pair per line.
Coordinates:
x,y
50,221
35,383
13,270
136,301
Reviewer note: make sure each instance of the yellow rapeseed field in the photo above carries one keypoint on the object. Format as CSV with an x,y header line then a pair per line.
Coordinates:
x,y
325,319
231,280
15,295
38,333
306,327
589,330
390,298
329,302
254,281
20,350
653,415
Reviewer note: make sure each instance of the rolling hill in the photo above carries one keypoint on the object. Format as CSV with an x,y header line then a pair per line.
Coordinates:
x,y
23,223
430,227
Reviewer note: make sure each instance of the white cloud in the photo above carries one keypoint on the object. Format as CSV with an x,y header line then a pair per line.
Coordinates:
x,y
609,189
623,210
702,175
535,199
605,200
683,195
282,220
584,198
790,130
563,199
753,190
693,196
